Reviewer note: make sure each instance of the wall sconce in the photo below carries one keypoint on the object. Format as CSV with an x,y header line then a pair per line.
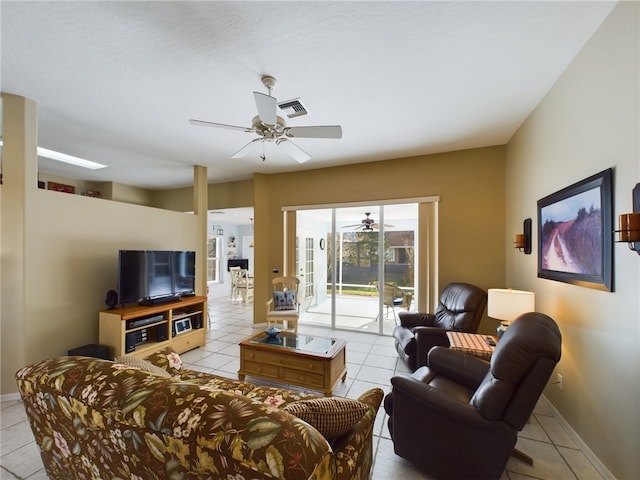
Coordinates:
x,y
629,223
523,240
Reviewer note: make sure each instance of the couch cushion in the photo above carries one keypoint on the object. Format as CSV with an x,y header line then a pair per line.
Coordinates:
x,y
142,365
331,416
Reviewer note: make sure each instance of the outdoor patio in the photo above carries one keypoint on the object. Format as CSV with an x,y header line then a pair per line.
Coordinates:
x,y
353,312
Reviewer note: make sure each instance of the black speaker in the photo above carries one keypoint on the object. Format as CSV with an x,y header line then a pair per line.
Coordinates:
x,y
130,342
92,350
197,320
161,332
112,299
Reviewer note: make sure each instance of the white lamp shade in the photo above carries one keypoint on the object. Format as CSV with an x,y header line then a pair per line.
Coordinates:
x,y
507,304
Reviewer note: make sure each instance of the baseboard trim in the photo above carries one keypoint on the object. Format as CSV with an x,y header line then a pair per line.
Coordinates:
x,y
597,464
9,397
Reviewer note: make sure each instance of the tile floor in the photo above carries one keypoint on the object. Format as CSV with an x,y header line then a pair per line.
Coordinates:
x,y
372,361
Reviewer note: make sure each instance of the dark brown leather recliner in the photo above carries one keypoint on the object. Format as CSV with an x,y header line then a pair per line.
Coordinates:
x,y
460,309
459,416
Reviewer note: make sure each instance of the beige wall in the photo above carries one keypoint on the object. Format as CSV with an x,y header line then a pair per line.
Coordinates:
x,y
106,190
588,122
59,252
471,210
220,195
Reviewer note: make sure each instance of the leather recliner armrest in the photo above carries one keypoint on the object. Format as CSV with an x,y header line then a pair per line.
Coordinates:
x,y
426,339
413,319
433,400
458,366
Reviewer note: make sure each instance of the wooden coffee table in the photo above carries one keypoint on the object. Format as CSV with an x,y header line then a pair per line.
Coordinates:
x,y
312,362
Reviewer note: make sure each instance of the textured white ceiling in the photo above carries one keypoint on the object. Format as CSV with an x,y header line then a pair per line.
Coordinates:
x,y
117,82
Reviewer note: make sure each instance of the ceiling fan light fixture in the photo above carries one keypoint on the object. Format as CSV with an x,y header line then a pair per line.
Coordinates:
x,y
298,154
245,150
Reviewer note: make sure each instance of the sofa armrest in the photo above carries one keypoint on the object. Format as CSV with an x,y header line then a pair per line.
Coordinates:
x,y
414,319
458,366
354,451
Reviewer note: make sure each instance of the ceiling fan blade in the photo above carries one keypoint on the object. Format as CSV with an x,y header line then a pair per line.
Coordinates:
x,y
292,149
322,131
267,106
245,150
377,225
202,123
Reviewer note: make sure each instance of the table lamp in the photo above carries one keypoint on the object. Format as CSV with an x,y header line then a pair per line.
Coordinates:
x,y
506,304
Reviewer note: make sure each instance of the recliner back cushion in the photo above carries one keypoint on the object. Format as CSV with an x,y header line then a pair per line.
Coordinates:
x,y
531,338
460,306
452,320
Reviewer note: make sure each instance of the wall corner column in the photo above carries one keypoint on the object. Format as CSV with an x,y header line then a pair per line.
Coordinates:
x,y
19,171
200,208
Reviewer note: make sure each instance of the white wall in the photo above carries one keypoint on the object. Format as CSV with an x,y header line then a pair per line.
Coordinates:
x,y
588,121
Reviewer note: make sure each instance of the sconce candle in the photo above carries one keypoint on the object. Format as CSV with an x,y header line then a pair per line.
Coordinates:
x,y
523,240
629,227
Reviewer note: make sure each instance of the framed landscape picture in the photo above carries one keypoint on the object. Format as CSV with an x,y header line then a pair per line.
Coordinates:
x,y
575,233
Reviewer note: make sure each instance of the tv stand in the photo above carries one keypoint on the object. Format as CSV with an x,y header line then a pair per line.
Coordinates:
x,y
140,330
149,302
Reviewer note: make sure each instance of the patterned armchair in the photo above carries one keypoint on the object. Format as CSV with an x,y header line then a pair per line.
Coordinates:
x,y
94,418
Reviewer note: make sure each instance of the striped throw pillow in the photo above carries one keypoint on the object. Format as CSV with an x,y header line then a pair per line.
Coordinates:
x,y
331,416
142,365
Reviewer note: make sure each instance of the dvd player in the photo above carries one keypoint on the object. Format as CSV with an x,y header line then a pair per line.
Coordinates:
x,y
141,322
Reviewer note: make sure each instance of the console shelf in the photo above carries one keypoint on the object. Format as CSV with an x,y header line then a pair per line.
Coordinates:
x,y
125,331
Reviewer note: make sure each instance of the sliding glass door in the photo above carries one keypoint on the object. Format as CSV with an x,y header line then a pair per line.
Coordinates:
x,y
355,257
357,264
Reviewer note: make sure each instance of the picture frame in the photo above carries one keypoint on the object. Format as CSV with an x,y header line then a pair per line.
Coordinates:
x,y
575,233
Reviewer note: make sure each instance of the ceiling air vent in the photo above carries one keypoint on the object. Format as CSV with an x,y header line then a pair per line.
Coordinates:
x,y
293,108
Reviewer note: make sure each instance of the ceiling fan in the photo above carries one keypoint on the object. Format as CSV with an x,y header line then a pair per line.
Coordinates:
x,y
271,128
367,224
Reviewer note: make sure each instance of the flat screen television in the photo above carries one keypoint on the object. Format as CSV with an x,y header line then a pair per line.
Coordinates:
x,y
150,277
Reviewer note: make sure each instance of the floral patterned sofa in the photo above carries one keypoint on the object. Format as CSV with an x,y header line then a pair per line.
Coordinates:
x,y
97,419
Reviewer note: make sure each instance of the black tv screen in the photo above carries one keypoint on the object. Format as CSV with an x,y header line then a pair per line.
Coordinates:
x,y
151,276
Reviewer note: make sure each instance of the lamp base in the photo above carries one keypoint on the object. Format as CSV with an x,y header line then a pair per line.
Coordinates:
x,y
501,329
